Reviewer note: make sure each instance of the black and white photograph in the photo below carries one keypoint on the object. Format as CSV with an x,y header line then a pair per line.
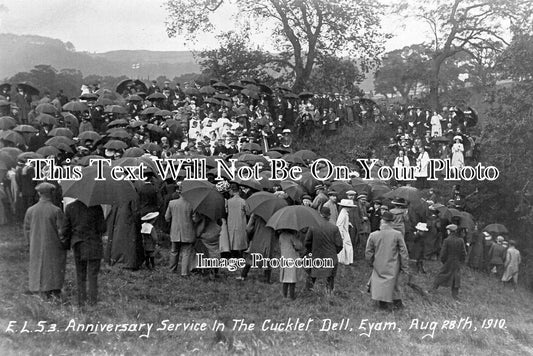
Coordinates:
x,y
266,177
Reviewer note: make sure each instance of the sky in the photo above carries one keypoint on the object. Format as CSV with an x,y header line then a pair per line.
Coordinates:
x,y
100,25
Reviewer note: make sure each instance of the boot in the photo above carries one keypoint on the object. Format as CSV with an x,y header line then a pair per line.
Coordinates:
x,y
284,289
174,256
292,292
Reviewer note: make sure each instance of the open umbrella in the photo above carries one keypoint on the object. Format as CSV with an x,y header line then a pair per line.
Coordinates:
x,y
222,96
204,198
92,192
115,109
250,93
252,159
25,129
75,106
12,136
291,158
7,123
118,133
134,97
151,147
236,85
138,123
136,162
293,190
281,150
265,89
156,96
251,146
308,182
378,191
86,160
11,154
123,85
118,122
191,91
220,86
133,152
88,96
273,154
163,113
305,95
46,151
361,186
89,135
250,183
267,182
46,119
28,88
104,101
149,110
340,188
115,145
306,155
290,96
24,156
497,229
208,90
46,108
54,141
295,217
265,204
410,194
61,131
155,128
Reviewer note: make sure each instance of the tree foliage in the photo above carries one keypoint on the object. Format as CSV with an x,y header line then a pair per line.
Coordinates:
x,y
470,26
333,74
302,30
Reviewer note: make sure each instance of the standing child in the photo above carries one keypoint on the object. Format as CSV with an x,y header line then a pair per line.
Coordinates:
x,y
512,261
150,239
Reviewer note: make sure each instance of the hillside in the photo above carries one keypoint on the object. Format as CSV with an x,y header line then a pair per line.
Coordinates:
x,y
22,53
162,298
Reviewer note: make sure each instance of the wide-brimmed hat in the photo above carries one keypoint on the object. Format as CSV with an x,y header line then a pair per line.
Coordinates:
x,y
351,192
457,138
387,216
452,227
500,239
306,196
421,226
150,216
399,201
348,203
320,186
362,196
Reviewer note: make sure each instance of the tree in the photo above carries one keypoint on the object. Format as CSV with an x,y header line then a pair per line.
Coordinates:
x,y
402,71
235,59
302,31
332,74
516,61
469,26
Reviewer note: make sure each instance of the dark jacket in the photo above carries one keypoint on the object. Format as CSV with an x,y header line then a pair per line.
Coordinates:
x,y
85,225
452,254
324,242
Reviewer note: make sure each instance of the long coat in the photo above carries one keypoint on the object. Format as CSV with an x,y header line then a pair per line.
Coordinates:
x,y
512,262
236,208
124,245
324,242
452,254
387,252
343,223
179,212
85,226
263,237
476,253
290,245
48,256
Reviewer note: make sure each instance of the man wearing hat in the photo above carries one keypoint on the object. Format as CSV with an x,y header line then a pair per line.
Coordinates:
x,y
452,254
419,244
83,227
320,197
332,205
343,223
364,229
323,241
401,217
48,247
387,253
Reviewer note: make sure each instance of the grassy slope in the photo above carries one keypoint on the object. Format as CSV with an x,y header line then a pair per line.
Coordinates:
x,y
143,296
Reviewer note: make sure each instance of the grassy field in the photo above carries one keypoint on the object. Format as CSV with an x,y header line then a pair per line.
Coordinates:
x,y
154,296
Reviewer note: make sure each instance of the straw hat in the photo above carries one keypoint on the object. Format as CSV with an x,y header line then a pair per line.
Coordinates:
x,y
421,226
348,203
150,216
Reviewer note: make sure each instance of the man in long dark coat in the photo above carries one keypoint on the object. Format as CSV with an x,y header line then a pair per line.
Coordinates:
x,y
324,242
48,249
84,227
452,254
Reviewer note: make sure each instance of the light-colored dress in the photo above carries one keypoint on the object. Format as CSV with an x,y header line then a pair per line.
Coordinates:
x,y
458,159
343,223
436,127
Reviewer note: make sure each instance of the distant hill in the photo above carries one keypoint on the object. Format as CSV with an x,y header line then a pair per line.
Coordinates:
x,y
19,53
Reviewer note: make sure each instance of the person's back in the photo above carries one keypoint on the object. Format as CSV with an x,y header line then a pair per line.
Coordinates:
x,y
179,213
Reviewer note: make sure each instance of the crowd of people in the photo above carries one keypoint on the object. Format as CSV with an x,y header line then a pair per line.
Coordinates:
x,y
251,122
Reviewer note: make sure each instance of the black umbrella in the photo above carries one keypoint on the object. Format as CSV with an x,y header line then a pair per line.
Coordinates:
x,y
265,88
28,88
138,83
88,96
208,89
306,95
236,85
220,86
123,85
156,96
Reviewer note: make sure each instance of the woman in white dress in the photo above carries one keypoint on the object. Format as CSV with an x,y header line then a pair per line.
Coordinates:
x,y
458,159
343,223
436,127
